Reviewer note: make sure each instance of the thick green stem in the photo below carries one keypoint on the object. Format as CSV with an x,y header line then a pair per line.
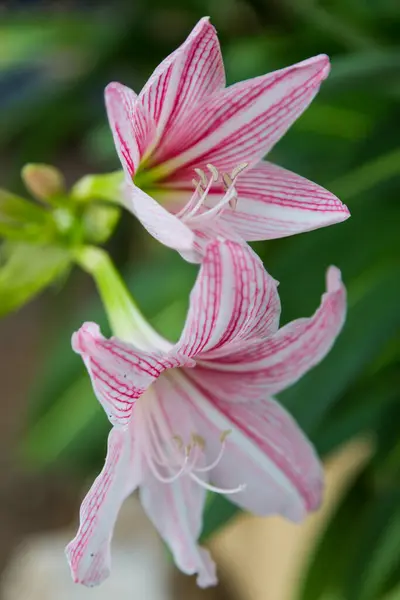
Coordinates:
x,y
125,319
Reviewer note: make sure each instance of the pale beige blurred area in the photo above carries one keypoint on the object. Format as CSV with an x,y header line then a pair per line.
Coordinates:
x,y
258,559
265,557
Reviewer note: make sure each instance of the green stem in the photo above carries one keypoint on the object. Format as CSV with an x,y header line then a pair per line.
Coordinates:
x,y
125,319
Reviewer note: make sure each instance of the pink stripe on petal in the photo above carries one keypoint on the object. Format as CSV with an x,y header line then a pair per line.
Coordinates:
x,y
89,552
271,365
243,122
120,373
132,127
233,299
183,79
274,203
265,451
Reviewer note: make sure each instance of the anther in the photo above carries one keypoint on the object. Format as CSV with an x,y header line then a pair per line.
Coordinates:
x,y
178,440
198,441
227,180
203,177
214,171
224,435
239,169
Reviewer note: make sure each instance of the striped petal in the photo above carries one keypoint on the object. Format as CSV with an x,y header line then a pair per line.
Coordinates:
x,y
184,79
120,373
265,451
161,224
274,203
233,299
243,122
89,552
132,127
176,509
263,367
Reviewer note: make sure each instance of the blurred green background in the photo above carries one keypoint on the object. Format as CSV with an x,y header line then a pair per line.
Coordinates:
x,y
55,62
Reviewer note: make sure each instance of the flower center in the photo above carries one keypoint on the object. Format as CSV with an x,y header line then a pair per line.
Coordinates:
x,y
170,458
198,210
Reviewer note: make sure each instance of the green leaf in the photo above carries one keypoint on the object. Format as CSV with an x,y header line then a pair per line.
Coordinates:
x,y
27,269
358,410
16,209
377,555
331,558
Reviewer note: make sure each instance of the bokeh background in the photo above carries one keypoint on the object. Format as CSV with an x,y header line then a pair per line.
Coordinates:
x,y
55,60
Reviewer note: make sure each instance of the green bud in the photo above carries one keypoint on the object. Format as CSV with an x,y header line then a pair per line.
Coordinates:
x,y
99,187
44,182
99,222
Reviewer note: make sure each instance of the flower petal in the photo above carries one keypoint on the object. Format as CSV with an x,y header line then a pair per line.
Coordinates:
x,y
176,508
192,72
265,451
161,224
275,203
120,373
243,122
233,299
89,552
268,366
132,127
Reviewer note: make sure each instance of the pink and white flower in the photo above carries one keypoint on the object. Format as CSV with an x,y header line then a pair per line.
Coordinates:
x,y
186,122
199,415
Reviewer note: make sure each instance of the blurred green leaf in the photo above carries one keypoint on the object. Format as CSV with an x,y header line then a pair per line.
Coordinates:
x,y
331,558
358,410
14,208
27,269
377,554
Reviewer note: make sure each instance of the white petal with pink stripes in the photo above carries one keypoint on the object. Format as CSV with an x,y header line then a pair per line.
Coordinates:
x,y
185,123
199,416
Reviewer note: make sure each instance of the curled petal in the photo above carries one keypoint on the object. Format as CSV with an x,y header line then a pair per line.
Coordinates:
x,y
233,299
132,127
161,224
89,552
173,508
243,122
176,509
192,72
275,203
268,366
120,373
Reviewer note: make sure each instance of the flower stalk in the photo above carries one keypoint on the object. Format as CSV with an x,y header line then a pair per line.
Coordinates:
x,y
125,318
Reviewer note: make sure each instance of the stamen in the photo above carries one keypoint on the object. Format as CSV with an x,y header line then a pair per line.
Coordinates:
x,y
160,477
178,440
215,462
213,488
224,435
198,441
227,180
214,172
238,170
202,176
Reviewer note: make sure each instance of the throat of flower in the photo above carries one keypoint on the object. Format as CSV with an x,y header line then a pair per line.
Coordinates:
x,y
169,458
197,210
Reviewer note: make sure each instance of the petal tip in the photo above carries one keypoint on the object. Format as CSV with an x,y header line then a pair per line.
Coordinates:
x,y
80,337
334,279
